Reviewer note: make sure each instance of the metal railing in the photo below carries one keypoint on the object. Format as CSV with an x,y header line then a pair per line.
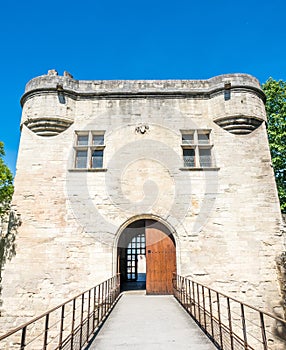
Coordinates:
x,y
70,325
230,323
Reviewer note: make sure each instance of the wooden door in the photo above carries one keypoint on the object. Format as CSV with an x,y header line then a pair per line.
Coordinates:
x,y
160,259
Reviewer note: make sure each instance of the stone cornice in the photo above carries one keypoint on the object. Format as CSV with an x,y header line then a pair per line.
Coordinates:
x,y
81,89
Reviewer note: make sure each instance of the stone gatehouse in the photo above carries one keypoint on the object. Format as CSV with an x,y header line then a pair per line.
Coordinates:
x,y
143,178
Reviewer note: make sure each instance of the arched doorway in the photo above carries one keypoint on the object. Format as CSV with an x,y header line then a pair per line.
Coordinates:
x,y
147,257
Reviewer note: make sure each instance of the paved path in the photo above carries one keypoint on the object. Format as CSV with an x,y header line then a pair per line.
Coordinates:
x,y
146,322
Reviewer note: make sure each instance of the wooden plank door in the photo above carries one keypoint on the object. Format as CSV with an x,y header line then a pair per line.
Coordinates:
x,y
160,259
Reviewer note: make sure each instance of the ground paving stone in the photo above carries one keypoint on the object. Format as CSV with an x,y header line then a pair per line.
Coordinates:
x,y
139,321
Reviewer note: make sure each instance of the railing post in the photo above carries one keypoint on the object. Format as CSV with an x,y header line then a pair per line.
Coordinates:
x,y
109,293
95,309
81,319
101,301
98,303
46,332
243,326
73,321
88,315
173,283
230,323
263,333
117,285
112,291
194,299
198,299
61,327
105,297
189,297
23,338
219,319
177,286
211,313
204,306
185,292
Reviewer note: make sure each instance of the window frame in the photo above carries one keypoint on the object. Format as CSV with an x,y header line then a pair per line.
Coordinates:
x,y
197,145
90,147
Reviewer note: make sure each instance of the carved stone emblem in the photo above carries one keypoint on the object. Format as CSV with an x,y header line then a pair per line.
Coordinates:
x,y
141,128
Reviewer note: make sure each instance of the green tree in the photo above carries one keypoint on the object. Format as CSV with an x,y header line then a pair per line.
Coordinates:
x,y
7,238
275,92
6,185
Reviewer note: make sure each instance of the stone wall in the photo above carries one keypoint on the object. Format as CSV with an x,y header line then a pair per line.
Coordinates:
x,y
225,218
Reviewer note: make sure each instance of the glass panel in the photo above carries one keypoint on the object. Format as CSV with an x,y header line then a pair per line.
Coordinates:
x,y
189,158
97,159
98,140
205,157
81,159
204,138
188,138
82,140
135,248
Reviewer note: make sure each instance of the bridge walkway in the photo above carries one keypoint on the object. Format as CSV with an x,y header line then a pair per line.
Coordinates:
x,y
140,321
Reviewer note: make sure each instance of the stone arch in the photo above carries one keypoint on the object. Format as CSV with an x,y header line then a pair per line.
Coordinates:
x,y
146,254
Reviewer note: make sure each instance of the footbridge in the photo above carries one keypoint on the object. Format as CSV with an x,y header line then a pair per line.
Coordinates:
x,y
194,317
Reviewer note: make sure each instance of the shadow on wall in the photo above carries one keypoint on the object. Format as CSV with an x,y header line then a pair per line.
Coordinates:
x,y
281,267
7,242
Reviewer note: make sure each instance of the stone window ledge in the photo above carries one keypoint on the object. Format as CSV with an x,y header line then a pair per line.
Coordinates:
x,y
200,169
83,170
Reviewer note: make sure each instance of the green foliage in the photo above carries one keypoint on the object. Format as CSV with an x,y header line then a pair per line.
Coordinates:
x,y
275,92
6,184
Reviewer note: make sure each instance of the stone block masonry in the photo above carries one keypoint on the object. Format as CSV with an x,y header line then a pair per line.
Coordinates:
x,y
96,156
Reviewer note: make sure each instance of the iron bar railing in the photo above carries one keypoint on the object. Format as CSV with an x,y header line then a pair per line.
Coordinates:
x,y
70,325
231,324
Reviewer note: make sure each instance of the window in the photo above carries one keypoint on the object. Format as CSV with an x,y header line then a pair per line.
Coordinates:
x,y
188,139
189,157
203,138
197,149
81,159
89,147
97,159
135,248
205,157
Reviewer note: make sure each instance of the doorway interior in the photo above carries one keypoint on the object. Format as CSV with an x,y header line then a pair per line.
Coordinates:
x,y
146,257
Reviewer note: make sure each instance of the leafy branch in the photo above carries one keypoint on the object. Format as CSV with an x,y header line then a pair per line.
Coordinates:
x,y
275,92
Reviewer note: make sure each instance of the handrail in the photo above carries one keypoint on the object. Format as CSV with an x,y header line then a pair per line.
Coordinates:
x,y
230,323
69,325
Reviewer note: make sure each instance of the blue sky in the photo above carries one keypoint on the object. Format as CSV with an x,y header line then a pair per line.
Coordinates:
x,y
94,39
